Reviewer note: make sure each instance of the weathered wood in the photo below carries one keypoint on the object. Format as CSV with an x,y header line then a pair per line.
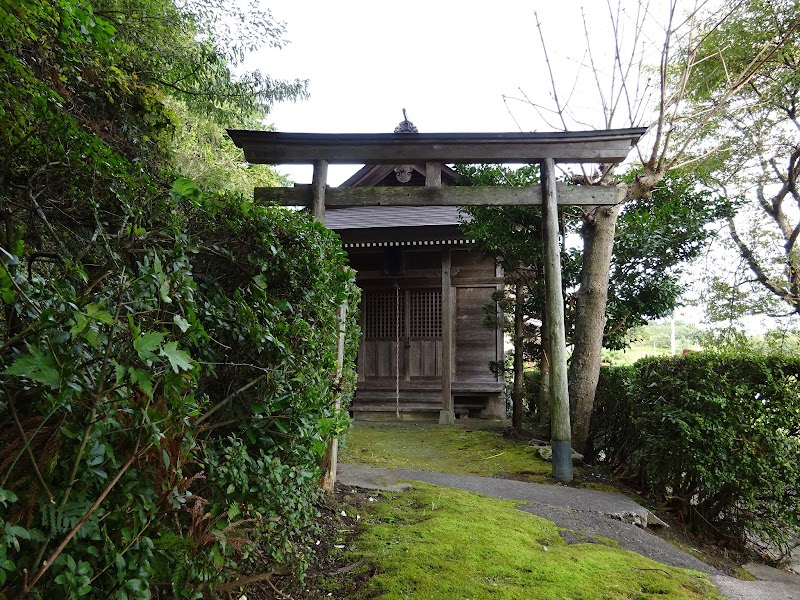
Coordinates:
x,y
500,338
319,182
479,282
271,147
471,337
433,174
406,333
431,384
386,358
424,357
338,197
519,357
360,355
554,307
380,282
446,415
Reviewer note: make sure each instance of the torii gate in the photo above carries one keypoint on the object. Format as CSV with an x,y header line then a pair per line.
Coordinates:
x,y
433,150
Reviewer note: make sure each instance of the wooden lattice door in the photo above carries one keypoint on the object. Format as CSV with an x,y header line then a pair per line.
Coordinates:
x,y
424,341
402,334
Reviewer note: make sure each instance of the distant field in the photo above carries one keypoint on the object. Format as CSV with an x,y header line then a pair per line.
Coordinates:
x,y
634,353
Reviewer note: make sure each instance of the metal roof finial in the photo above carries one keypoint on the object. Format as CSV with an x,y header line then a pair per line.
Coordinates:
x,y
405,125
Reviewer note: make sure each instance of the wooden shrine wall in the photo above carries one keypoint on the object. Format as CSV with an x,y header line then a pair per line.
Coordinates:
x,y
409,304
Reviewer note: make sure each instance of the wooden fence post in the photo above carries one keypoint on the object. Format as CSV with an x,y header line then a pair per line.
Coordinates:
x,y
329,461
319,182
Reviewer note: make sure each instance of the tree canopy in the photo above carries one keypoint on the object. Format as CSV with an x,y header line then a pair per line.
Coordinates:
x,y
656,238
757,135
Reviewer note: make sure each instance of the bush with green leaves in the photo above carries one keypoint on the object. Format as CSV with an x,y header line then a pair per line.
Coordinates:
x,y
715,437
168,358
168,425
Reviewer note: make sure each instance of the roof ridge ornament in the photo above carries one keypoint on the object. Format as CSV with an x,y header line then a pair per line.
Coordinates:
x,y
405,125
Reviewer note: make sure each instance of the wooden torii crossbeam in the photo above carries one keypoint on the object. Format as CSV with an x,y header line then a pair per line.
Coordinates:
x,y
433,150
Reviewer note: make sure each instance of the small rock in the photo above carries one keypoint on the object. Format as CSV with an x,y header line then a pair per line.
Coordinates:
x,y
546,453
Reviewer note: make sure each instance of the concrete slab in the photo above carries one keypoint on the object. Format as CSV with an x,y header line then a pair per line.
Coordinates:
x,y
369,478
736,589
767,573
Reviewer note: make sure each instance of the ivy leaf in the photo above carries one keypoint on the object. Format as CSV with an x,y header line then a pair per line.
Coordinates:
x,y
146,345
163,282
93,311
260,281
119,372
37,366
178,359
163,290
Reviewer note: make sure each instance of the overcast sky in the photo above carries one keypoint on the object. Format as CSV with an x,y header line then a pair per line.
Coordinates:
x,y
449,64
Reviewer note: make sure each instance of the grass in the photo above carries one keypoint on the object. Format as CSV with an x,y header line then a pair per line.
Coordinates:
x,y
436,543
628,356
447,449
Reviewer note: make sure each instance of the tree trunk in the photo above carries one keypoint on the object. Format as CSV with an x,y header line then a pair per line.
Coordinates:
x,y
590,318
519,363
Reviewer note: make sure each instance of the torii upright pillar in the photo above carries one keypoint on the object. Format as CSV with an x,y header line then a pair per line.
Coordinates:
x,y
561,436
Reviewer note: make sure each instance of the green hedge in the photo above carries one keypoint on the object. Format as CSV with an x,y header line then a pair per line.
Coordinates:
x,y
177,413
202,377
715,437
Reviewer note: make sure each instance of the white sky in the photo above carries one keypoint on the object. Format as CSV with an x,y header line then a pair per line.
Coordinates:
x,y
448,63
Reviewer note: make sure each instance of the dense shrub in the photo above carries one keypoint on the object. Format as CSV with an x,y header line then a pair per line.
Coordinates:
x,y
168,360
181,407
612,429
715,437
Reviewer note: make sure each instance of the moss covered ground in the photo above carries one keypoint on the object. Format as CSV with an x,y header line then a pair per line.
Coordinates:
x,y
437,543
459,449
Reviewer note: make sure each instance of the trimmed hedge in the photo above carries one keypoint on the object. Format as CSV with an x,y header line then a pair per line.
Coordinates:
x,y
715,437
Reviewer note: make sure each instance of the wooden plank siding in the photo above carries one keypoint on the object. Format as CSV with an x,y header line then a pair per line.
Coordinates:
x,y
425,358
476,343
422,345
